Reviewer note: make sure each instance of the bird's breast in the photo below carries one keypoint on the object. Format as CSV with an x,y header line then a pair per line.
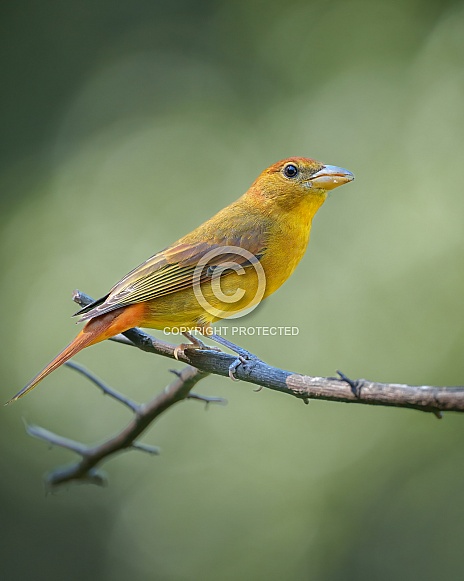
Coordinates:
x,y
285,250
288,240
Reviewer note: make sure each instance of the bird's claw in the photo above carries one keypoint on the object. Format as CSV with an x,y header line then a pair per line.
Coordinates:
x,y
247,360
178,350
199,346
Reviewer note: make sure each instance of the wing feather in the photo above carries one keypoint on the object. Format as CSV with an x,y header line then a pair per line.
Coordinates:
x,y
172,270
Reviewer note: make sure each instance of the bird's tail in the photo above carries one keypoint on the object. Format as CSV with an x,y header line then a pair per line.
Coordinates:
x,y
82,340
96,330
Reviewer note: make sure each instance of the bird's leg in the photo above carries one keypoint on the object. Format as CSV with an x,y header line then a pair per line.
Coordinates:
x,y
244,358
194,344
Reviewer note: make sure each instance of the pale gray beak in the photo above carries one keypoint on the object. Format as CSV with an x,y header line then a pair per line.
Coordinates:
x,y
330,177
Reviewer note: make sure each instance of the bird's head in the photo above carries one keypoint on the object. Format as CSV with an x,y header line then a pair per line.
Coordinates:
x,y
292,180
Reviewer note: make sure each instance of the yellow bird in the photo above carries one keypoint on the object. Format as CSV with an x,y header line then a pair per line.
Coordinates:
x,y
225,266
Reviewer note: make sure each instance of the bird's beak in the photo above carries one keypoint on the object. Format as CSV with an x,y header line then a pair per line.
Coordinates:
x,y
330,177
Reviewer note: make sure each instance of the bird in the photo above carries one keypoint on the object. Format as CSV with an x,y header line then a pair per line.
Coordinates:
x,y
226,266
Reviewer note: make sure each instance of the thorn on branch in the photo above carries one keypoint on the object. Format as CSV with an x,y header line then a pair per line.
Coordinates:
x,y
207,399
152,450
355,384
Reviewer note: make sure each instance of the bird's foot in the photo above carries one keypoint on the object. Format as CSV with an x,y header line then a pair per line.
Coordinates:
x,y
179,350
245,359
194,344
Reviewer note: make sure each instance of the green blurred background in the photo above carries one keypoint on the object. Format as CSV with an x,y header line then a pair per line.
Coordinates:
x,y
125,125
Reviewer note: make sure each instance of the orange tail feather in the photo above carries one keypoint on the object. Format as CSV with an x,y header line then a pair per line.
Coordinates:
x,y
81,341
96,330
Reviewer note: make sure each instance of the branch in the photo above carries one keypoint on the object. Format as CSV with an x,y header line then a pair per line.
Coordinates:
x,y
424,398
106,389
85,470
201,363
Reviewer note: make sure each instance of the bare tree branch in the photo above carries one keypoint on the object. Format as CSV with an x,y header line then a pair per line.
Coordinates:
x,y
106,389
425,398
85,470
201,363
207,399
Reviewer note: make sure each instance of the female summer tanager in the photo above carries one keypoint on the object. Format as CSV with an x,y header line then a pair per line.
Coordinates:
x,y
254,245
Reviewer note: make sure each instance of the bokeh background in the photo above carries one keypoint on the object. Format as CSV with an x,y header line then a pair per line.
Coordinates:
x,y
126,124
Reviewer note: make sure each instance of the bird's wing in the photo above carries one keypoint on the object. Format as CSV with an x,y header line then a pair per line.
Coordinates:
x,y
175,269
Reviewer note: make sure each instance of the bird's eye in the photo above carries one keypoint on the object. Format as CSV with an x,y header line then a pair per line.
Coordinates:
x,y
290,171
